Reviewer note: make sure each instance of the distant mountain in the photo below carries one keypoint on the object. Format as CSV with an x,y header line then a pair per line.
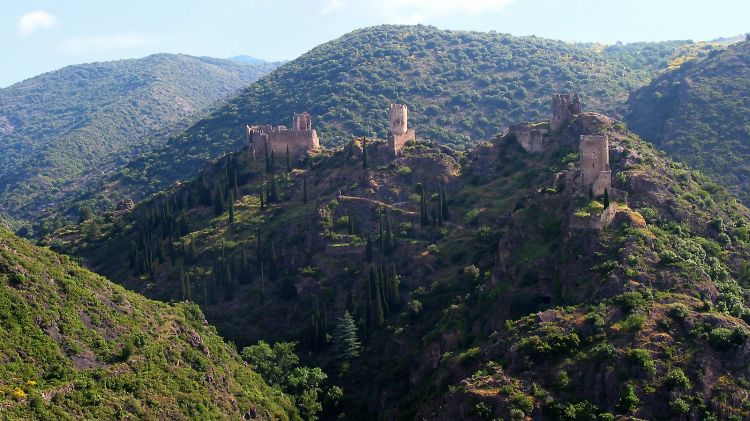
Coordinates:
x,y
460,87
71,126
700,113
247,60
76,346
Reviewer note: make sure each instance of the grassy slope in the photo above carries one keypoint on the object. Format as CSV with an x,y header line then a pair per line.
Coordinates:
x,y
682,240
460,86
699,113
66,128
65,334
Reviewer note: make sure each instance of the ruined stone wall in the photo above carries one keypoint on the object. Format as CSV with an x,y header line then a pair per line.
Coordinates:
x,y
530,138
594,164
564,108
396,142
278,138
302,121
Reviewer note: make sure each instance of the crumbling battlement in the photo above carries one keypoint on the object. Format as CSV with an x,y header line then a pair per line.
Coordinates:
x,y
564,108
398,128
300,139
532,139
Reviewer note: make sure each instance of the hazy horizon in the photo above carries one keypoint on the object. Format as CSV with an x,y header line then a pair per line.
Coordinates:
x,y
43,36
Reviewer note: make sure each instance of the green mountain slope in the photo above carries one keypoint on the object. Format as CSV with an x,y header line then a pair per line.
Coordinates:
x,y
63,129
75,346
475,297
460,87
700,114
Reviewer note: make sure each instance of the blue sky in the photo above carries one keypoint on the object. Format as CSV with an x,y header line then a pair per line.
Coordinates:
x,y
39,36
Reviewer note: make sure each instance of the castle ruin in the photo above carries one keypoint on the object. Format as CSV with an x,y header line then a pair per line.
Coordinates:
x,y
531,138
564,108
594,164
276,139
398,130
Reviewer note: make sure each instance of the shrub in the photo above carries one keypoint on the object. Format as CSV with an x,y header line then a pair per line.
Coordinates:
x,y
679,311
628,400
723,339
471,273
642,358
633,323
631,301
404,170
415,308
677,378
668,257
522,402
469,356
679,406
482,410
562,380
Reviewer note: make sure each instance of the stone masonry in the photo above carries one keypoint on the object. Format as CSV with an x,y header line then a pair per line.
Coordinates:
x,y
564,108
531,138
300,139
596,175
398,130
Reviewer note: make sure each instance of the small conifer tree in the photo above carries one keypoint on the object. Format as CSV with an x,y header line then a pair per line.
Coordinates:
x,y
346,344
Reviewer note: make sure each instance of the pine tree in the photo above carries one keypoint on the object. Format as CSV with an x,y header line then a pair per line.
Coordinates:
x,y
288,160
346,344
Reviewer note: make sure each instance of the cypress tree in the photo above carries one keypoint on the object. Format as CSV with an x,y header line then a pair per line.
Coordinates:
x,y
188,287
346,344
218,202
231,208
269,167
236,188
304,189
378,316
389,245
273,193
262,286
368,249
364,153
262,198
182,283
606,198
395,281
228,284
350,222
288,160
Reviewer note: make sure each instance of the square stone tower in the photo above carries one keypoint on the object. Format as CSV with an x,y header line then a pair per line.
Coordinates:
x,y
596,175
398,128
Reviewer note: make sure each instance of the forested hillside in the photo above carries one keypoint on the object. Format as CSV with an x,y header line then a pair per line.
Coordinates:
x,y
700,113
63,130
75,346
471,291
460,87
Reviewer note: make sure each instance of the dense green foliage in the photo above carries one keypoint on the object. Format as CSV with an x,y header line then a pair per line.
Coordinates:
x,y
62,131
700,113
75,346
469,291
460,87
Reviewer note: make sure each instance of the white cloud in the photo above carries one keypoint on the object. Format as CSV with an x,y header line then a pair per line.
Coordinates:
x,y
39,19
103,42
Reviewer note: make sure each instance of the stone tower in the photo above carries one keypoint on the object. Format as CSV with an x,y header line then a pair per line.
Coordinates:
x,y
301,121
398,116
398,129
596,175
564,108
